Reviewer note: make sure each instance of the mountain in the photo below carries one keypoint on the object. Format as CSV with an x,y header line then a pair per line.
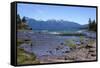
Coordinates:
x,y
52,24
85,26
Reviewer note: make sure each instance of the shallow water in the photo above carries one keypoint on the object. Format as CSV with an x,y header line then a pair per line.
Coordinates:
x,y
45,44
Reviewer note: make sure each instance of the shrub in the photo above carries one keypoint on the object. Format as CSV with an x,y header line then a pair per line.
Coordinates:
x,y
19,42
70,43
25,57
81,38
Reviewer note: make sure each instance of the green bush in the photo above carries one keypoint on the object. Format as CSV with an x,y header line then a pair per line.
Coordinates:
x,y
81,38
70,43
90,41
25,58
19,42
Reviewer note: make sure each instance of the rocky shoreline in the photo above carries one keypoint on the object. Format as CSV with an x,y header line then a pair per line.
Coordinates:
x,y
81,53
50,48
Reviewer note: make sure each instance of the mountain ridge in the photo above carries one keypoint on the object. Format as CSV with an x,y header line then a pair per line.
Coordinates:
x,y
52,24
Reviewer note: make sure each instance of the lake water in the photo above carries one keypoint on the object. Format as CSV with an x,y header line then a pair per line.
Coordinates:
x,y
60,31
45,44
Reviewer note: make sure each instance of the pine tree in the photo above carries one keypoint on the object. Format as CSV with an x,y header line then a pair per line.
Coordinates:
x,y
23,19
94,25
90,23
18,19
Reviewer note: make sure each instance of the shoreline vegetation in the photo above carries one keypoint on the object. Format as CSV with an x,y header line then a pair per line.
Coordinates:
x,y
36,47
24,57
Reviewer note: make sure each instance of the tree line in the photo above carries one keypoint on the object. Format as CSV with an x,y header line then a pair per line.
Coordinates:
x,y
21,23
92,26
19,20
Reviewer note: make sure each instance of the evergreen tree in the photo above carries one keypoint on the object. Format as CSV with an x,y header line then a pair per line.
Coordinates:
x,y
90,23
23,19
94,25
18,19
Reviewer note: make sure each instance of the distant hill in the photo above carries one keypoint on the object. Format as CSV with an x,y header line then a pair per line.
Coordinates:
x,y
52,24
86,26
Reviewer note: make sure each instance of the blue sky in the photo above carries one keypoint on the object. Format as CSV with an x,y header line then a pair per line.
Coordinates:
x,y
46,12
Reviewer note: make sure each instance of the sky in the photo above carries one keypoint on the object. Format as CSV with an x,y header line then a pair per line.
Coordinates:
x,y
79,15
